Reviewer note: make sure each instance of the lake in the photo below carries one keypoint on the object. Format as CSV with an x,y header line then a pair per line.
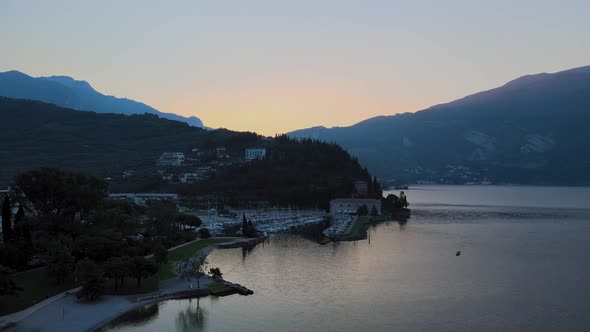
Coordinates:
x,y
523,266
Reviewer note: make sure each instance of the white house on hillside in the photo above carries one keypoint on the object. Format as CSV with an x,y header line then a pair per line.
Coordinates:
x,y
189,177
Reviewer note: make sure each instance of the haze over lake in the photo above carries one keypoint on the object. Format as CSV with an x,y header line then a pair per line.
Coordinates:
x,y
523,266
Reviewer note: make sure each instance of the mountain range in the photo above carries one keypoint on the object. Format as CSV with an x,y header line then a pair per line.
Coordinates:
x,y
532,130
67,92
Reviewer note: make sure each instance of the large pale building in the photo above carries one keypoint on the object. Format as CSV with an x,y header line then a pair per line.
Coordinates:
x,y
252,154
361,187
351,205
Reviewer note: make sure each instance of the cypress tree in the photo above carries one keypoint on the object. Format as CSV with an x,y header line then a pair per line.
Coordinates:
x,y
244,225
20,215
6,214
376,188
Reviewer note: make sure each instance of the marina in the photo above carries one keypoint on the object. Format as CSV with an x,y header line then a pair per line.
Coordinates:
x,y
266,221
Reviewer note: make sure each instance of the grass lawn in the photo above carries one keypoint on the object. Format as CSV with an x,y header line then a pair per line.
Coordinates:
x,y
184,253
358,230
218,288
36,288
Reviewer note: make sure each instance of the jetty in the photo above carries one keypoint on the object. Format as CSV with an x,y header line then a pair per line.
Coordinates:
x,y
341,226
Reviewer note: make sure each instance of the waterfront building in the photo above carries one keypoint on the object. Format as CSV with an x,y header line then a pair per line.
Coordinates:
x,y
361,187
351,205
252,154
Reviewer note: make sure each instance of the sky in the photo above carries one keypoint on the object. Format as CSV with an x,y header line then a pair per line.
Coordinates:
x,y
276,66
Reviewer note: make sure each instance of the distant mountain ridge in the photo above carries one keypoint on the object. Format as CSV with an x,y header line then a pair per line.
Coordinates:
x,y
531,130
65,91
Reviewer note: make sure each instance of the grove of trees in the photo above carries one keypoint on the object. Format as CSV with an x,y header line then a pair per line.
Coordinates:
x,y
65,224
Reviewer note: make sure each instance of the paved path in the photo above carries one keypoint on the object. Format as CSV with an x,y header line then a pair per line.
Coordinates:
x,y
63,312
67,314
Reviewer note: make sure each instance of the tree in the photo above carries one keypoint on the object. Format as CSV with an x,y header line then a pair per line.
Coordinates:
x,y
374,211
18,225
92,279
377,192
192,268
139,268
183,219
244,225
162,216
115,217
362,210
204,233
389,203
55,192
216,272
60,262
161,255
6,222
7,285
116,269
403,201
251,230
99,244
15,254
20,215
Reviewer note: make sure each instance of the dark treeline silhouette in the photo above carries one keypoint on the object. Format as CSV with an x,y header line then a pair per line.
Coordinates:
x,y
295,172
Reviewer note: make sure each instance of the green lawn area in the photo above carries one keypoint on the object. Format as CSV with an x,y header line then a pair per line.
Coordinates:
x,y
36,288
186,252
218,288
358,230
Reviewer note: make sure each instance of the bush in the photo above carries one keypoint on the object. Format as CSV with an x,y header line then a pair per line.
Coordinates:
x,y
15,255
216,272
362,211
204,233
374,211
91,275
251,230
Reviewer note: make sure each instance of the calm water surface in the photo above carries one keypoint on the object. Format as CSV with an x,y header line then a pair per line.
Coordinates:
x,y
524,266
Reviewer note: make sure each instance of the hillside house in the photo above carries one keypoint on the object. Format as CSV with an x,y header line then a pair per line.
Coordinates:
x,y
171,159
189,177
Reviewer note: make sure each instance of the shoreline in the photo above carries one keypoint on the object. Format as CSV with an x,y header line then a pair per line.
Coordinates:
x,y
179,295
65,313
365,222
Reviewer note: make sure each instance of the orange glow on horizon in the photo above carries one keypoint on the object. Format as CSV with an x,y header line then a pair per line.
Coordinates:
x,y
280,108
